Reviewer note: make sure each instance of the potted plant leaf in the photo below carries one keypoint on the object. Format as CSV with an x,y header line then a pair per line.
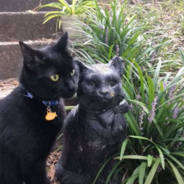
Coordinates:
x,y
68,16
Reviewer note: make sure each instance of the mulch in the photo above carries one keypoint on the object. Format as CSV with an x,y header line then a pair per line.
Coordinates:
x,y
52,160
8,84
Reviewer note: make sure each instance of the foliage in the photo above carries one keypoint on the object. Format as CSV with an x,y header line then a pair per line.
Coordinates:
x,y
153,152
182,26
109,33
77,8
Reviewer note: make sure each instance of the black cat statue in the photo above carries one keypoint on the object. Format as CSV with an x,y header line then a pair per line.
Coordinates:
x,y
95,129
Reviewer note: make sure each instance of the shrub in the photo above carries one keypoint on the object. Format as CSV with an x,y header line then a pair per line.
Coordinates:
x,y
109,33
156,128
78,7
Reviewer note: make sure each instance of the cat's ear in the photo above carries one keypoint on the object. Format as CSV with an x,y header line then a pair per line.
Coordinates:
x,y
27,51
62,43
118,64
29,55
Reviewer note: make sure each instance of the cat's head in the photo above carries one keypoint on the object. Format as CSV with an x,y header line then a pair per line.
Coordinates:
x,y
51,72
100,85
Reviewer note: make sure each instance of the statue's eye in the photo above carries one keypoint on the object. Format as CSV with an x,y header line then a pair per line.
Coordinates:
x,y
91,83
54,77
72,73
112,83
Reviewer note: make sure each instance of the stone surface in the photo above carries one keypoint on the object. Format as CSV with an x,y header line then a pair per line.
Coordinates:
x,y
25,26
10,57
21,5
3,94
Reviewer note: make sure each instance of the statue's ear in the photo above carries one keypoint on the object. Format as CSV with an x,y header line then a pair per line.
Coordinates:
x,y
117,63
81,66
82,71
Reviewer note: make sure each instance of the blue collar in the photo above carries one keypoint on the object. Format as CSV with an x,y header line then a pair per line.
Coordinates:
x,y
46,103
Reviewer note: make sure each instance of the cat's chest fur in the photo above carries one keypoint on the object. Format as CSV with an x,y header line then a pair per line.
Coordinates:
x,y
23,127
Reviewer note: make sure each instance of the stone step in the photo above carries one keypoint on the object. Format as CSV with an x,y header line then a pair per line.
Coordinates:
x,y
4,93
15,26
21,5
11,57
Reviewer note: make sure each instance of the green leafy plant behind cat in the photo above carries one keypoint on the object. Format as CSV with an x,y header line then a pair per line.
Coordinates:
x,y
111,32
77,8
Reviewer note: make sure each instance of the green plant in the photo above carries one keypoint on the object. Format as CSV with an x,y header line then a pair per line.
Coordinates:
x,y
77,8
182,27
110,33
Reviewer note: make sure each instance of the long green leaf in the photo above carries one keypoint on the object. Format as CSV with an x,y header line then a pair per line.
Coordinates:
x,y
134,175
123,147
134,157
150,160
176,161
151,90
142,172
152,172
176,172
141,80
157,74
182,56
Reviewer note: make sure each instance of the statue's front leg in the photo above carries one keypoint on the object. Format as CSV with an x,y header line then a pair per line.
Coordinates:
x,y
66,177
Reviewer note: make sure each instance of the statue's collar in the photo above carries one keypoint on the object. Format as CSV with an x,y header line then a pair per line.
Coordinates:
x,y
122,108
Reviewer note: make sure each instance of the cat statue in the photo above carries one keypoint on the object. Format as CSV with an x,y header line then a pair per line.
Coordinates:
x,y
33,114
95,129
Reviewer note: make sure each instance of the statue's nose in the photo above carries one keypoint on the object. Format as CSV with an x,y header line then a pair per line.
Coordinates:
x,y
104,91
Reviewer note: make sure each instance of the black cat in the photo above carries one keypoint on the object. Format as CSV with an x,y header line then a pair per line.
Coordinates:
x,y
94,130
32,115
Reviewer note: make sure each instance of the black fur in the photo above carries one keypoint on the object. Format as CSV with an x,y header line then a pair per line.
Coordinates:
x,y
26,138
94,130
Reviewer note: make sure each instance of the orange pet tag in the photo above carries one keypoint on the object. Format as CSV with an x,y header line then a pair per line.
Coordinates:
x,y
50,115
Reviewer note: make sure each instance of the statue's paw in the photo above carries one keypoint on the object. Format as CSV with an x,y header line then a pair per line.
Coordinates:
x,y
123,106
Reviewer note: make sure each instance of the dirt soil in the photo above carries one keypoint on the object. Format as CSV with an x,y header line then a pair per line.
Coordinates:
x,y
6,86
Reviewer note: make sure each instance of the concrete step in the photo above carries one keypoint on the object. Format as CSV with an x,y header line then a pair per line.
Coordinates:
x,y
11,57
15,26
20,5
4,93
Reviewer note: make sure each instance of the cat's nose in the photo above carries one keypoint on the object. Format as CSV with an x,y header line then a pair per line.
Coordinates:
x,y
71,88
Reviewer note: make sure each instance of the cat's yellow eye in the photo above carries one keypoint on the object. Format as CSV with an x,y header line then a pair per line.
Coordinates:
x,y
72,73
54,77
